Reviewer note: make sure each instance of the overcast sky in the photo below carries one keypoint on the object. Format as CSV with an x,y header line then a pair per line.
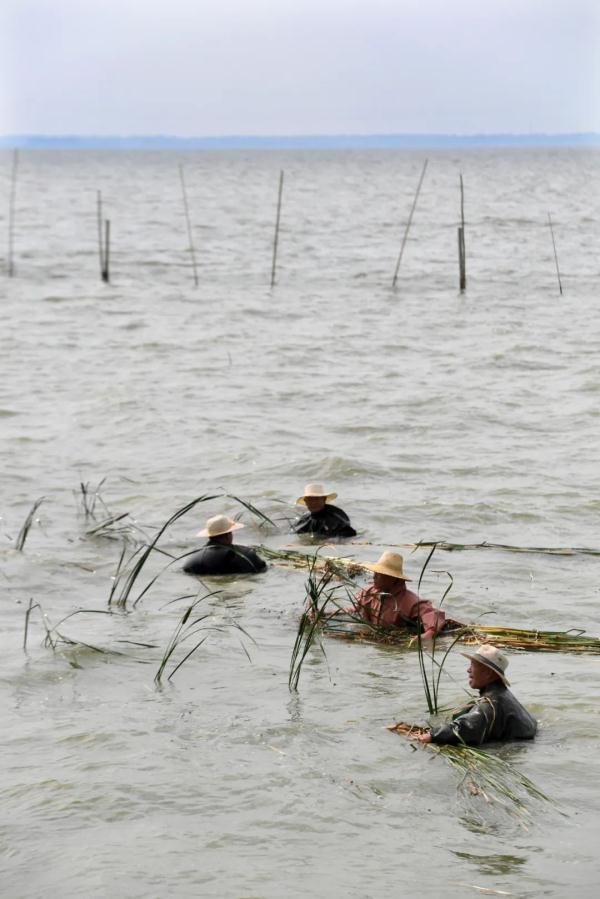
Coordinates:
x,y
216,67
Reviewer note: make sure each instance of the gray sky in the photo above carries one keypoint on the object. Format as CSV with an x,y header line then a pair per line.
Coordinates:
x,y
203,67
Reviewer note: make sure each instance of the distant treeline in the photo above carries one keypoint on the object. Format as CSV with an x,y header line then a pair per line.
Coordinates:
x,y
294,142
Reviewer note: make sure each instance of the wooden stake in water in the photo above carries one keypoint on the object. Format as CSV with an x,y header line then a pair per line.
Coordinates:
x,y
462,256
408,223
276,238
100,236
105,271
189,226
555,256
11,213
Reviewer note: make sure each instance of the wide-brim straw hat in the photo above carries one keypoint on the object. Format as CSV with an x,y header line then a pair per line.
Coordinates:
x,y
491,657
388,563
219,524
315,490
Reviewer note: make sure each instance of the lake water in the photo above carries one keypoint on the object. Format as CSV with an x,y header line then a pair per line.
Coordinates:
x,y
434,415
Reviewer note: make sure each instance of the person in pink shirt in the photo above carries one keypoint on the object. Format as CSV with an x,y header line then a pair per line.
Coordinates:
x,y
389,603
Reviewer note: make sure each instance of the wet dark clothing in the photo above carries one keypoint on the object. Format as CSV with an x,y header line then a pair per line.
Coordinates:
x,y
220,558
328,522
496,715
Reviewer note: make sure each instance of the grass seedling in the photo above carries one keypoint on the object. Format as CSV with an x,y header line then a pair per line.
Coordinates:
x,y
22,536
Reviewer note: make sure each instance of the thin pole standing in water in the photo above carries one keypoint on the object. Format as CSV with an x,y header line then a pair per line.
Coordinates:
x,y
408,224
105,272
100,237
11,213
276,238
555,256
462,256
189,225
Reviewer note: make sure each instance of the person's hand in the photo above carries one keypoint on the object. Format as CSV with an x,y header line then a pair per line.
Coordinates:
x,y
426,635
422,738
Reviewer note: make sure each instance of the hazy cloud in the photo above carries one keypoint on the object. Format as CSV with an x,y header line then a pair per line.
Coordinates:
x,y
299,66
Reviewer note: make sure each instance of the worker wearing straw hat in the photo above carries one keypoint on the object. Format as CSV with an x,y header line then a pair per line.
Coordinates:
x,y
389,603
322,519
220,556
496,715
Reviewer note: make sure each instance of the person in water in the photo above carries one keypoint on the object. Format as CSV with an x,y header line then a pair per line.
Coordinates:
x,y
389,603
322,519
220,556
496,715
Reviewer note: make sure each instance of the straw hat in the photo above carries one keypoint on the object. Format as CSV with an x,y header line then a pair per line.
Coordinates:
x,y
219,524
388,563
315,490
491,657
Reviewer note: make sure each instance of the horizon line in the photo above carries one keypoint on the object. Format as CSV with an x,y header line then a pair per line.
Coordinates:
x,y
301,141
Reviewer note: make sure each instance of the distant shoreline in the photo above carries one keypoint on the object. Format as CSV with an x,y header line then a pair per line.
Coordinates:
x,y
295,142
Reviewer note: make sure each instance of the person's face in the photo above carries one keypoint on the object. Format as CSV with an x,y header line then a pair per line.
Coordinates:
x,y
385,583
480,675
314,503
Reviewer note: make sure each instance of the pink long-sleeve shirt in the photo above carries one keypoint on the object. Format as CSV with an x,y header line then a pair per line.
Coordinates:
x,y
396,608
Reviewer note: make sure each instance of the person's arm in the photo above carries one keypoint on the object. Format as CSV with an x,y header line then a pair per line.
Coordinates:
x,y
432,620
471,729
303,525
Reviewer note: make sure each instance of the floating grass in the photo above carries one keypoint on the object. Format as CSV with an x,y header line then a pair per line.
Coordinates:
x,y
483,773
502,547
291,558
23,533
469,634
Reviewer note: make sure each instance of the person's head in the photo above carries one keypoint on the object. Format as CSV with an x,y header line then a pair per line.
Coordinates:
x,y
385,583
315,497
487,665
219,529
388,572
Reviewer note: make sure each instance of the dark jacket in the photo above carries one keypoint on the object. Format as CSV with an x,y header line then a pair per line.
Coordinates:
x,y
328,521
217,558
496,715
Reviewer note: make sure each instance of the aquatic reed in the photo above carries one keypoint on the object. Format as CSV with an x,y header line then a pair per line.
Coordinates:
x,y
318,598
90,496
23,533
54,638
484,773
188,627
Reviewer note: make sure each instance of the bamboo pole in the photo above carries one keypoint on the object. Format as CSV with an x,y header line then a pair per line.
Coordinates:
x,y
100,237
409,222
105,272
189,225
277,221
462,256
11,213
555,255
